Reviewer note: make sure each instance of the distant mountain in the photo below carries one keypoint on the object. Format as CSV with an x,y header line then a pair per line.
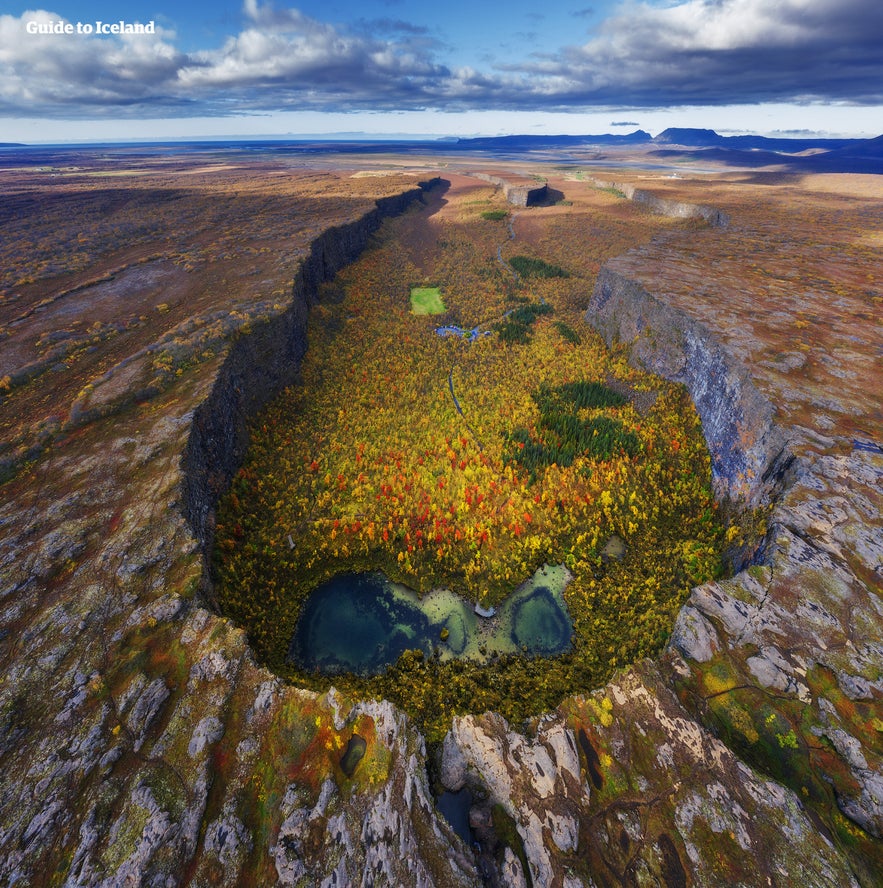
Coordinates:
x,y
805,155
706,138
510,143
872,148
742,150
691,138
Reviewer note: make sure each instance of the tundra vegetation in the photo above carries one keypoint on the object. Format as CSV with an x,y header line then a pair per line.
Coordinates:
x,y
368,464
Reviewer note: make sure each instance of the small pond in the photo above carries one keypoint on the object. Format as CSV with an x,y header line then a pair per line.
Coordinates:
x,y
454,807
363,622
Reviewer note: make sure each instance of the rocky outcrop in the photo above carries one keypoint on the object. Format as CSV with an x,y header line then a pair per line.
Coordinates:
x,y
623,787
665,207
518,190
784,660
139,742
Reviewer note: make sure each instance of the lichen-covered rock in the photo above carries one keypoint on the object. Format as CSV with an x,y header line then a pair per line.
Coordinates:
x,y
650,791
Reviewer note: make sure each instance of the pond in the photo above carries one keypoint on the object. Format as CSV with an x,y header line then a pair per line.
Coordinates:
x,y
362,623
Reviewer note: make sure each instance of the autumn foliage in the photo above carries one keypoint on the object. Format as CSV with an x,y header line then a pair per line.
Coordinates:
x,y
369,464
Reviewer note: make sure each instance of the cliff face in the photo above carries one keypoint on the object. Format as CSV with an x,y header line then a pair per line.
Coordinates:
x,y
263,362
782,661
518,190
747,448
666,207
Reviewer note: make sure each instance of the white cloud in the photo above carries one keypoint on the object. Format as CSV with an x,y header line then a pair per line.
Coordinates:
x,y
714,51
695,52
55,72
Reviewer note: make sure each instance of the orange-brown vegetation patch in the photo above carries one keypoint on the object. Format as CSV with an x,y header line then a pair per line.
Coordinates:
x,y
104,272
794,288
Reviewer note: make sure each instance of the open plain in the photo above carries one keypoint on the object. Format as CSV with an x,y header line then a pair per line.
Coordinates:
x,y
154,301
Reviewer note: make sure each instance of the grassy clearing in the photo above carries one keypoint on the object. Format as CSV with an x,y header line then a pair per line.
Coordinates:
x,y
427,301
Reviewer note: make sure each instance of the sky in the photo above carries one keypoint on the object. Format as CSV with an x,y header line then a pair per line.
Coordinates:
x,y
224,68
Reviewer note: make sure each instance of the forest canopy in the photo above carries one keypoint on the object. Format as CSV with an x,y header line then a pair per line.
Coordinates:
x,y
468,464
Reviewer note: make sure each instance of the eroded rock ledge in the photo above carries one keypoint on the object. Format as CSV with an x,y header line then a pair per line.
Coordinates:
x,y
140,743
665,207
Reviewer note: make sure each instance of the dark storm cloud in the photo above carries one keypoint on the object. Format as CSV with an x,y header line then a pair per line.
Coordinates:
x,y
698,52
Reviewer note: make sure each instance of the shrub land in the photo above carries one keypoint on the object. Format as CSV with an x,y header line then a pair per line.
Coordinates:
x,y
370,465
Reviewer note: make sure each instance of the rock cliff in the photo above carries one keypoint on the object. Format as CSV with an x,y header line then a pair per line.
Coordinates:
x,y
664,206
747,448
519,191
263,362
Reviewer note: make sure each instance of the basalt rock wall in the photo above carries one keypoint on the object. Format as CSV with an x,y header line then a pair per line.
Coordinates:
x,y
747,448
262,362
665,207
517,193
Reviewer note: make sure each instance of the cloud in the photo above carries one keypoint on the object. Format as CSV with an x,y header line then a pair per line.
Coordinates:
x,y
391,26
693,52
51,74
288,60
281,59
708,52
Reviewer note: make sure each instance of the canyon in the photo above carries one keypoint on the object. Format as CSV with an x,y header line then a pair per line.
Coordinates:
x,y
141,742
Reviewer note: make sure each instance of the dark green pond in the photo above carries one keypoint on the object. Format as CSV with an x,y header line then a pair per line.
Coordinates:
x,y
363,622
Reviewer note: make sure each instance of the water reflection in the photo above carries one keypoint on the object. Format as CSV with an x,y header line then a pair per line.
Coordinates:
x,y
363,622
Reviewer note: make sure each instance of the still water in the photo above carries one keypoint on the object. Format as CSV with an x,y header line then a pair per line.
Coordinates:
x,y
363,622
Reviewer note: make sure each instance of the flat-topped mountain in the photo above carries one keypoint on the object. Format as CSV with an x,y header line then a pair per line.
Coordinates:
x,y
706,138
